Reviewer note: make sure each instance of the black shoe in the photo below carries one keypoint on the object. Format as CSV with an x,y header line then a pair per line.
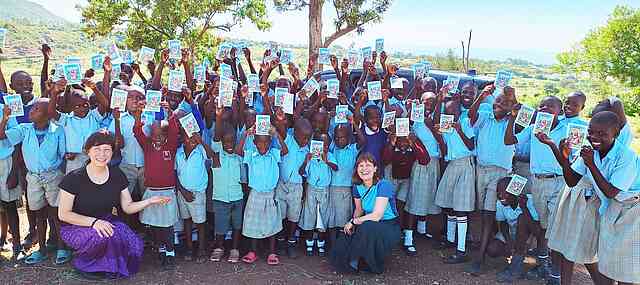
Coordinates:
x,y
92,276
457,258
321,252
443,245
291,250
28,241
170,263
536,273
476,268
163,258
410,250
18,254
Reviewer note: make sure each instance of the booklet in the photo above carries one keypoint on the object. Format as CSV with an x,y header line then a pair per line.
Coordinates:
x,y
288,102
316,148
224,50
72,73
253,83
118,99
333,87
14,101
206,62
418,70
225,92
72,59
286,56
402,127
3,37
263,124
446,123
114,53
249,99
388,119
58,72
97,62
174,49
342,112
189,124
516,185
152,100
577,136
352,57
379,45
417,112
397,83
503,77
374,90
324,56
146,54
176,78
115,72
199,74
127,56
279,96
225,71
525,114
543,123
366,53
453,82
311,86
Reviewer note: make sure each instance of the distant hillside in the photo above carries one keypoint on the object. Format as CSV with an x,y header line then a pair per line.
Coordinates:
x,y
33,12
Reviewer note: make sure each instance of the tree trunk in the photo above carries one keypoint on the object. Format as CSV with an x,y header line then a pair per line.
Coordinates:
x,y
315,27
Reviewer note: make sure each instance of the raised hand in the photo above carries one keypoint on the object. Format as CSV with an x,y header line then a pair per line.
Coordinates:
x,y
46,51
106,65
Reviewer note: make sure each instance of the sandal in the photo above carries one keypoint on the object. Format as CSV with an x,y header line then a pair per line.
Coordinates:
x,y
273,259
62,257
217,254
234,256
35,258
250,257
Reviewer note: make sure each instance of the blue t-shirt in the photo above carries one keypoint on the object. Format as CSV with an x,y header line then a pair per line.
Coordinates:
x,y
383,188
490,147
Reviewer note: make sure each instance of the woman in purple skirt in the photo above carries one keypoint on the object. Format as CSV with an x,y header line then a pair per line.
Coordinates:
x,y
103,246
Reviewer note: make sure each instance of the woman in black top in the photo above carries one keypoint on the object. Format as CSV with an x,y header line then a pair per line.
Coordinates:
x,y
88,196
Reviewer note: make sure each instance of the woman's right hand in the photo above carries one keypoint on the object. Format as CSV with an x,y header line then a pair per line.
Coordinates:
x,y
104,228
348,228
161,200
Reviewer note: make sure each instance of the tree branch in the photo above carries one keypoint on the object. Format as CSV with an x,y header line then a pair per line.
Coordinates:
x,y
337,34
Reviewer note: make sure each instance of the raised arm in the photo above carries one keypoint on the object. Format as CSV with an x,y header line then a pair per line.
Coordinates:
x,y
106,77
188,72
157,76
509,136
3,84
473,111
44,73
561,155
247,56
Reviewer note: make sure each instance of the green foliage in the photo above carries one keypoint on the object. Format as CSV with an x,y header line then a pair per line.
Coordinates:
x,y
612,50
153,22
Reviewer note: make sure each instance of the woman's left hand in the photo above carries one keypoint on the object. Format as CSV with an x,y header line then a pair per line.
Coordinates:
x,y
356,221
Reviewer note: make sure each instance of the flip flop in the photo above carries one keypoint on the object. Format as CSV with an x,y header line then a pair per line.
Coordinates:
x,y
35,258
250,257
273,259
62,256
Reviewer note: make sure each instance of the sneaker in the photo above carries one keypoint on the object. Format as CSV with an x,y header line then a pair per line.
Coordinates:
x,y
457,258
309,248
18,254
410,250
291,250
170,263
28,241
217,254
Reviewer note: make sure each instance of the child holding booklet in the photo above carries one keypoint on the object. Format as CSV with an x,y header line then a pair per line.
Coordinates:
x,y
159,151
612,170
370,123
546,174
402,153
456,194
317,171
261,215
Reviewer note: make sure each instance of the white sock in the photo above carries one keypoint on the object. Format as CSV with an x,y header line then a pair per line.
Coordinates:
x,y
170,253
228,235
462,232
162,249
320,245
422,227
408,237
309,242
451,228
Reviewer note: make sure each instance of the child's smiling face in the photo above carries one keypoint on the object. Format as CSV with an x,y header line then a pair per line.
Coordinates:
x,y
263,143
133,98
574,104
341,136
551,105
80,103
228,141
502,106
372,118
159,134
38,113
468,95
602,133
22,84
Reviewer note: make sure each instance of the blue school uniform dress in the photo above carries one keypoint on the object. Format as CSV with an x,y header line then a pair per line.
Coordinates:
x,y
372,241
43,151
426,137
262,217
493,156
511,215
546,174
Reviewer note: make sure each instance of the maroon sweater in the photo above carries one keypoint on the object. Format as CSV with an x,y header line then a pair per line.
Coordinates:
x,y
159,164
402,162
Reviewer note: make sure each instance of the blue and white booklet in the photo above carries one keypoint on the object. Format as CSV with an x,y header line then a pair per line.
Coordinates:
x,y
97,61
253,83
114,53
333,87
503,78
127,56
324,56
286,56
342,111
176,78
310,86
263,124
279,96
146,54
153,99
72,73
374,90
225,71
118,99
199,74
379,45
175,49
14,101
366,53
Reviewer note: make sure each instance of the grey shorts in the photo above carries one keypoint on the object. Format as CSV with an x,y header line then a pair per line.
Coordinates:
x,y
289,198
6,194
314,212
42,189
228,215
486,186
195,210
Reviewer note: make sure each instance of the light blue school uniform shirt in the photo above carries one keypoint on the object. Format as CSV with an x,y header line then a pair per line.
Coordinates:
x,y
573,120
77,130
42,150
455,146
192,172
383,188
626,135
425,136
542,160
263,169
6,148
346,161
318,172
226,178
490,147
293,160
523,151
620,167
510,215
131,151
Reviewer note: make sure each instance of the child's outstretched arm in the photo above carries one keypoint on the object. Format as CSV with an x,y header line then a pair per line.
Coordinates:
x,y
136,71
218,131
509,136
103,103
388,150
240,146
247,56
357,113
157,76
295,74
421,151
186,64
106,77
3,83
361,139
344,75
53,89
210,153
302,170
266,101
44,73
118,131
141,137
331,164
561,154
6,112
473,111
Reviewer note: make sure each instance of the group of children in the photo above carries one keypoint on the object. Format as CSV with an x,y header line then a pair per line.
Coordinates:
x,y
270,184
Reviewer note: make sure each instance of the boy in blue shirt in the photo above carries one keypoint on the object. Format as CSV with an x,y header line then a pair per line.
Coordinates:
x,y
494,159
546,175
317,171
289,190
43,147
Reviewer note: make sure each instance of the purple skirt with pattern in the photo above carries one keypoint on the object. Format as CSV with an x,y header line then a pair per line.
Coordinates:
x,y
119,254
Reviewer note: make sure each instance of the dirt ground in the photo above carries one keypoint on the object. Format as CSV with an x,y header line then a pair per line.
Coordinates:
x,y
425,268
